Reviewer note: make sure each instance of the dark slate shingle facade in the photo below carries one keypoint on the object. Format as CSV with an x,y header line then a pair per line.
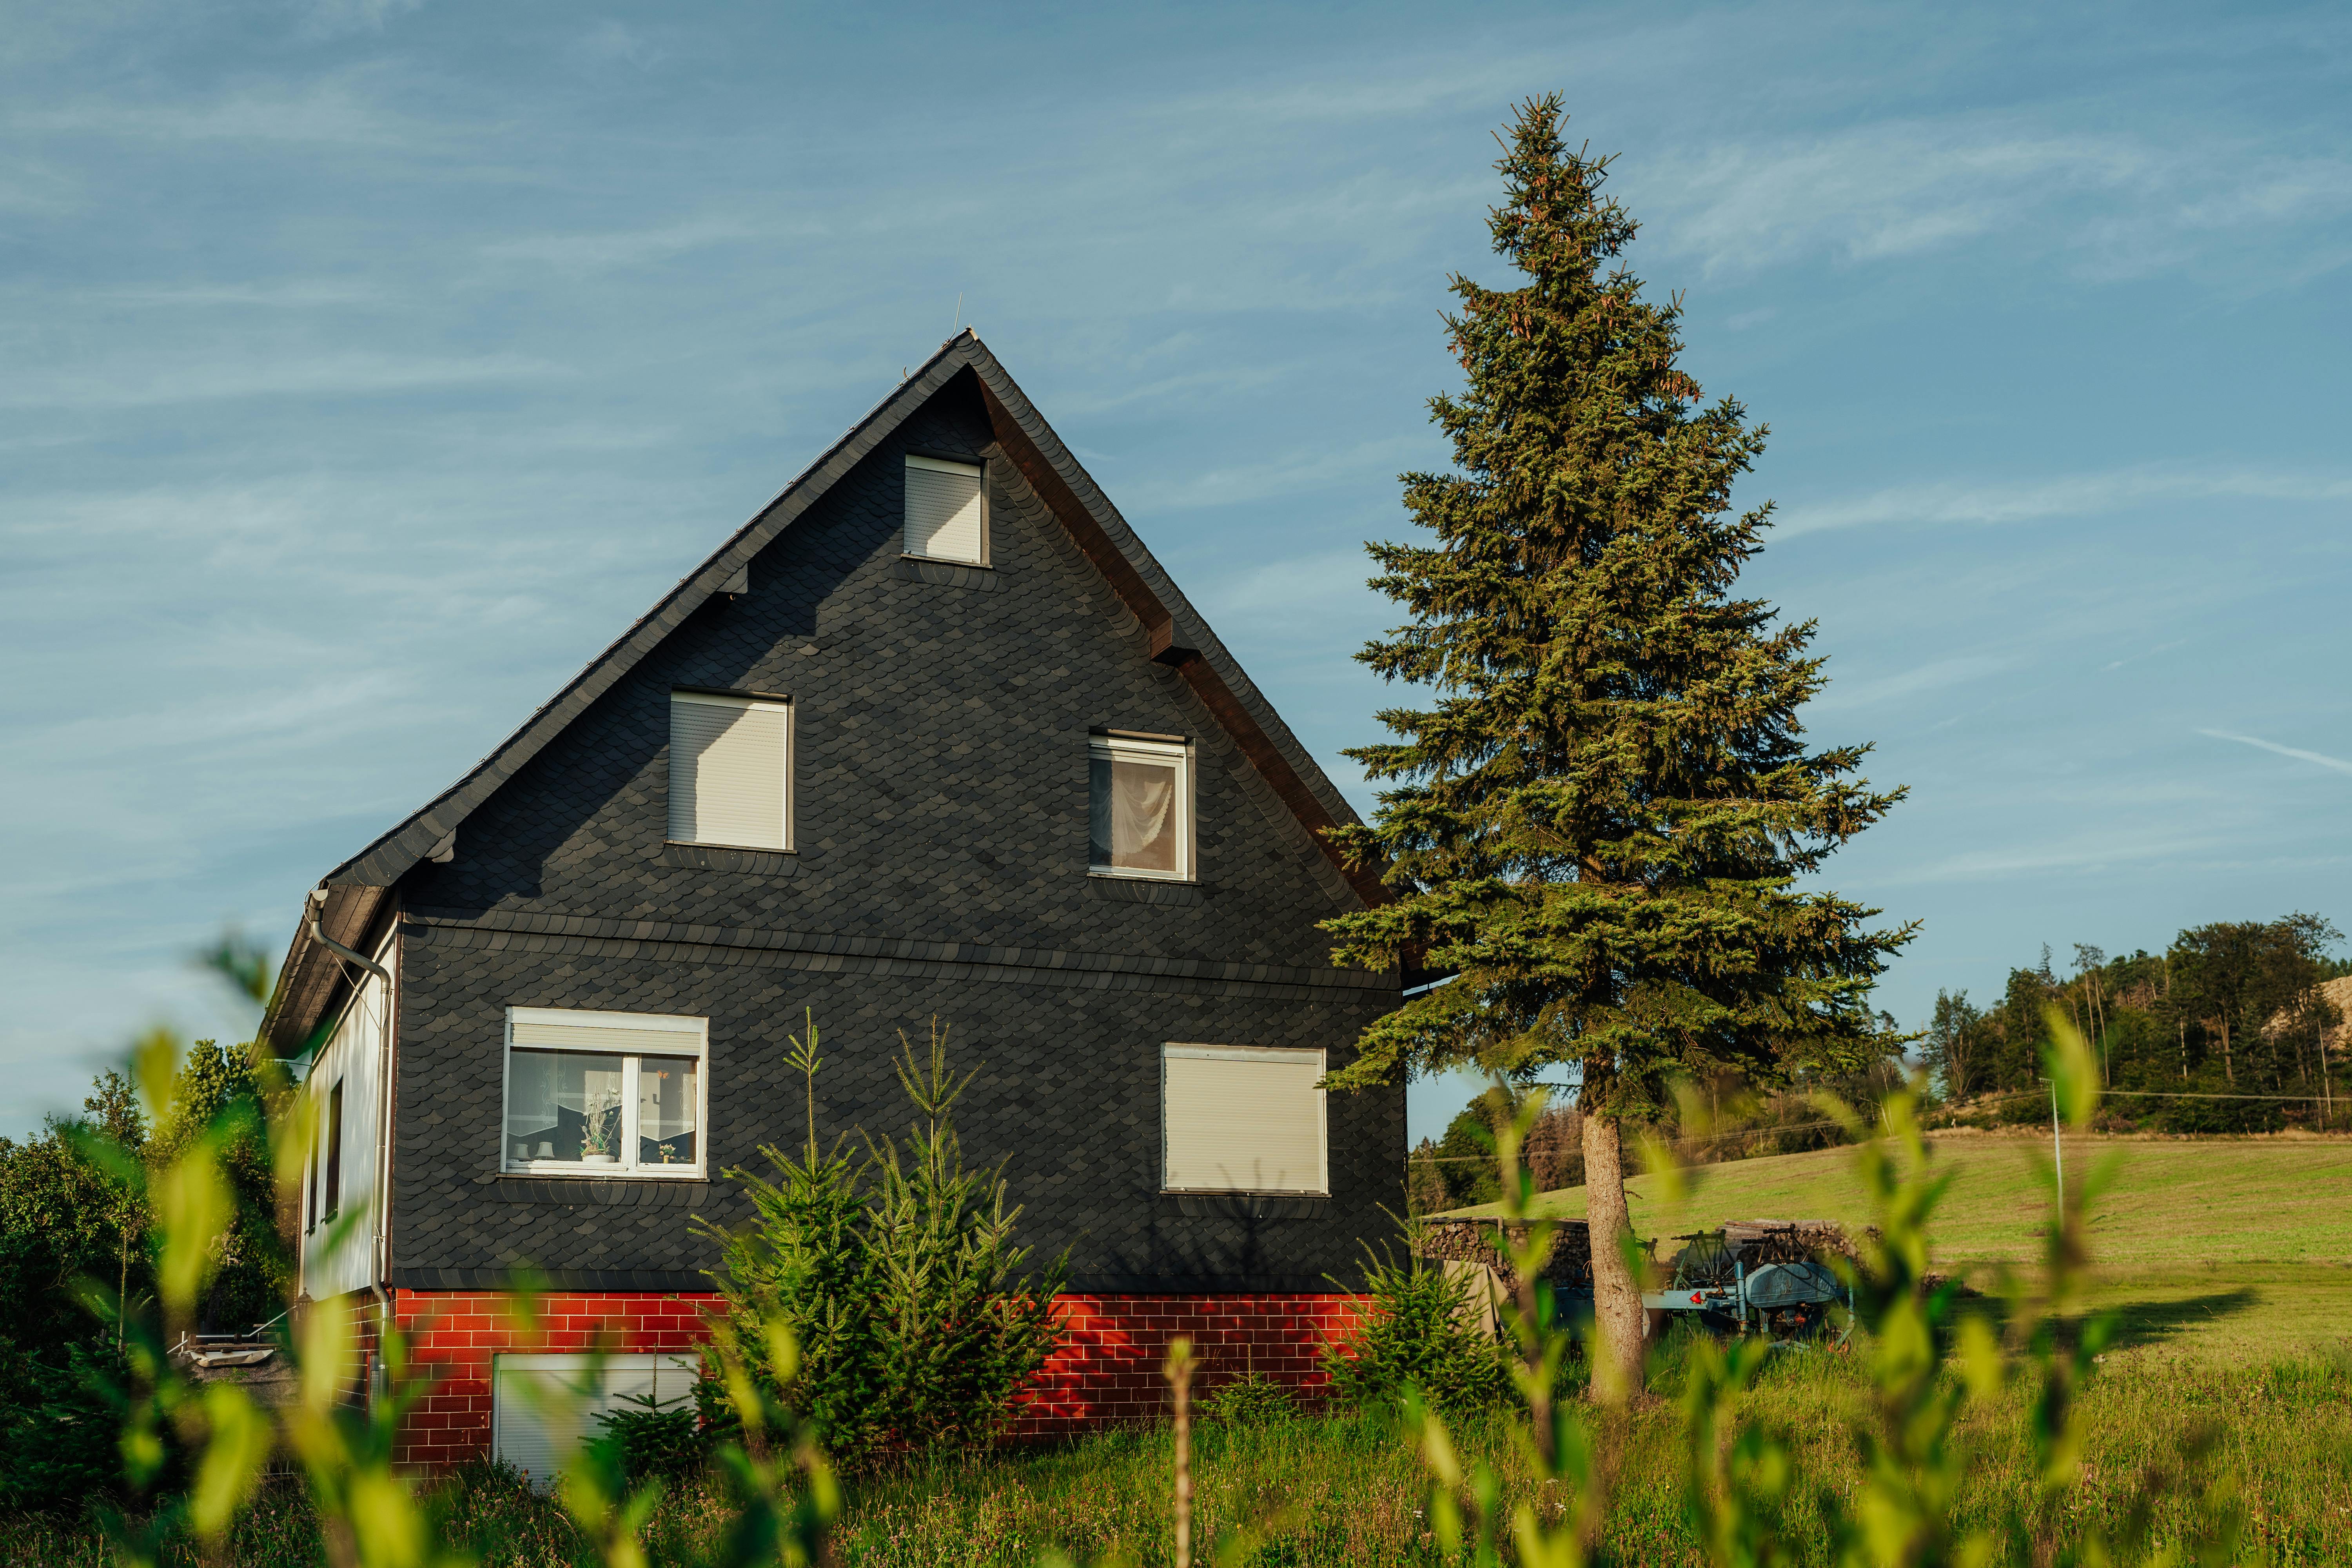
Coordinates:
x,y
940,778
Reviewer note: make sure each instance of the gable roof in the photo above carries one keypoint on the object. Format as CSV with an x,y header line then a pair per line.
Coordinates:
x,y
351,896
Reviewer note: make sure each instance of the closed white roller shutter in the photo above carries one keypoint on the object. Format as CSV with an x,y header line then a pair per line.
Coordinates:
x,y
578,1029
1242,1121
544,1409
943,510
728,771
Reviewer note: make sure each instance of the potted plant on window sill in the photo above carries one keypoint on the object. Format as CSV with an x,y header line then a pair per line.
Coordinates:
x,y
599,1137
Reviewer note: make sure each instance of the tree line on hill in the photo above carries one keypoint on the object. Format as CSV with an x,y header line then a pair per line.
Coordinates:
x,y
2230,1029
1723,1119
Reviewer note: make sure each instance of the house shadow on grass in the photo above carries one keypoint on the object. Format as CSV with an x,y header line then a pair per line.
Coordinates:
x,y
2139,1324
2156,1323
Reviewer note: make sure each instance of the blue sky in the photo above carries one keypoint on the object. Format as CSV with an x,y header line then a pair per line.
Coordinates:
x,y
369,365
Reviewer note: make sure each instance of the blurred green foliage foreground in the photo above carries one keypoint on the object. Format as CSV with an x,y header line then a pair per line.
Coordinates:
x,y
1950,1432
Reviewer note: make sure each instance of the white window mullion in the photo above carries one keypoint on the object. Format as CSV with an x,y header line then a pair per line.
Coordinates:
x,y
630,1067
550,1053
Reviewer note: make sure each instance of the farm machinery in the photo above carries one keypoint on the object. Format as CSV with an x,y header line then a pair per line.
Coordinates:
x,y
1768,1277
1754,1277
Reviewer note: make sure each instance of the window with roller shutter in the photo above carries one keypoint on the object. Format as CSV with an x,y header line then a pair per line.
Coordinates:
x,y
947,511
604,1094
544,1409
1243,1118
730,770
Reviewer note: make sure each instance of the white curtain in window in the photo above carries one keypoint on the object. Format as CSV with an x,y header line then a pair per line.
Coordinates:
x,y
1143,826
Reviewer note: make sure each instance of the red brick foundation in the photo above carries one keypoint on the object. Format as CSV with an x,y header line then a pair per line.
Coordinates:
x,y
1105,1374
453,1335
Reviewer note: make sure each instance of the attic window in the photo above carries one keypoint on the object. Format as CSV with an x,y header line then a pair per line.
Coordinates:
x,y
604,1094
947,511
1243,1118
1140,808
730,771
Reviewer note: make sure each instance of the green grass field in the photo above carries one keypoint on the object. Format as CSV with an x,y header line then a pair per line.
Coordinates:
x,y
2229,1261
1345,1491
2233,1250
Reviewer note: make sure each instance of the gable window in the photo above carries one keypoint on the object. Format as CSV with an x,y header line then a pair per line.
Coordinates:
x,y
730,770
1241,1118
604,1094
1140,819
947,511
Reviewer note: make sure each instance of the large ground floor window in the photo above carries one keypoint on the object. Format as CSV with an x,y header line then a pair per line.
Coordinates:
x,y
604,1094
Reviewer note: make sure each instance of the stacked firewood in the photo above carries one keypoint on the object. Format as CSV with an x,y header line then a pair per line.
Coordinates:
x,y
1569,1261
1791,1240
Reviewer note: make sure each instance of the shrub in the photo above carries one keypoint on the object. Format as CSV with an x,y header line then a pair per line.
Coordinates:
x,y
1252,1399
897,1279
60,1425
645,1442
1415,1332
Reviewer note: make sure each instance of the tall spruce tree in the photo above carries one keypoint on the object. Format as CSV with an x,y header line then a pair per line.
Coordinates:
x,y
1600,826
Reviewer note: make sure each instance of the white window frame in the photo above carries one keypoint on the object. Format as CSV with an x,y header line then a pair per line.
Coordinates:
x,y
1298,1055
743,700
1116,746
694,1040
949,466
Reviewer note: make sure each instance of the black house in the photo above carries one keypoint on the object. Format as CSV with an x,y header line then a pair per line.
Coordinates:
x,y
932,736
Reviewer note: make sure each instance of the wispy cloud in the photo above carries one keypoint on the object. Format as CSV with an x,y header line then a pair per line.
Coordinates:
x,y
1935,676
611,42
1318,469
344,112
2298,754
2073,854
2069,495
151,380
613,248
2123,203
334,18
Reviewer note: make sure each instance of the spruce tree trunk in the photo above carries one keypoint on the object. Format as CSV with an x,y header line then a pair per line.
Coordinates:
x,y
1616,1292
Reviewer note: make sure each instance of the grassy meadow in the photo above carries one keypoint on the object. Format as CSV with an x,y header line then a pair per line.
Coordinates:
x,y
1345,1490
2231,1249
2230,1260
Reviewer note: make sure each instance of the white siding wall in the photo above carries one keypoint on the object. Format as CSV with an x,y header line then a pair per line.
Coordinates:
x,y
354,1057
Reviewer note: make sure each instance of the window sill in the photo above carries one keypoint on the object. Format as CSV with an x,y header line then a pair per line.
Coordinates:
x,y
945,573
563,1173
721,857
1121,888
602,1192
1245,1206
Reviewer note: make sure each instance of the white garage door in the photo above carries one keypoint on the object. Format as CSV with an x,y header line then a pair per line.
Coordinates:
x,y
544,1408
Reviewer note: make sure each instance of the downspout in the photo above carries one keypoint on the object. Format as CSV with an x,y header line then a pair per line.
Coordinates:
x,y
375,1281
383,1270
318,897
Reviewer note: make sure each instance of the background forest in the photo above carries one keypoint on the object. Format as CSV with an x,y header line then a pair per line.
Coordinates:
x,y
2238,1026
